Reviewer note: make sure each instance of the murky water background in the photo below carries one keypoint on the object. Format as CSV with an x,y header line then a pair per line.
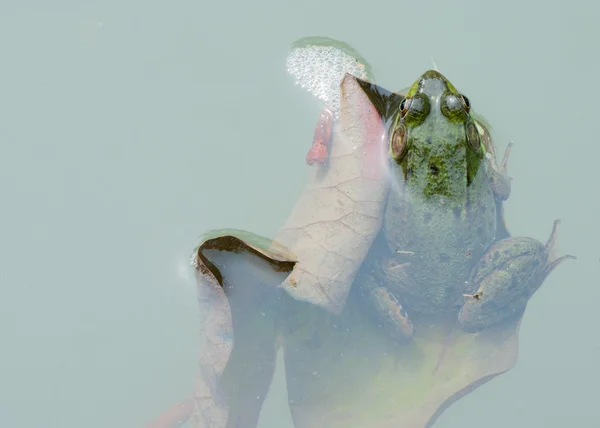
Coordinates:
x,y
128,128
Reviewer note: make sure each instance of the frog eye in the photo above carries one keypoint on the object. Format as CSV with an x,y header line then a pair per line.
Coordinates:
x,y
466,103
454,107
398,143
414,110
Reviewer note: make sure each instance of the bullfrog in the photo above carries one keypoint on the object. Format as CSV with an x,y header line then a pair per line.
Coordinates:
x,y
443,247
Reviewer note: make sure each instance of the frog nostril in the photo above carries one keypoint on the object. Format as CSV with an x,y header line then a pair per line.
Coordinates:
x,y
433,169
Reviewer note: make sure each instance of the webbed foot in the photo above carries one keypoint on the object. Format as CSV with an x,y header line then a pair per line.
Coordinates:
x,y
506,277
386,308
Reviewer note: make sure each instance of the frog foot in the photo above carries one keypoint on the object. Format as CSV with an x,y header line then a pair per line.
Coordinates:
x,y
553,260
391,313
506,277
500,182
384,307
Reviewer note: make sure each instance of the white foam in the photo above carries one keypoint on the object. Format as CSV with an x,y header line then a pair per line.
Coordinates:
x,y
320,70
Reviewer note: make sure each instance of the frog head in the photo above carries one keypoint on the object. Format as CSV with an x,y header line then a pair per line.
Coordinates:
x,y
435,145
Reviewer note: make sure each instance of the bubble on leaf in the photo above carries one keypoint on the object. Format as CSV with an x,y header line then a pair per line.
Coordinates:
x,y
319,65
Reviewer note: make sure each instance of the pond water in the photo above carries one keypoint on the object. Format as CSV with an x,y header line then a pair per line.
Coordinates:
x,y
129,128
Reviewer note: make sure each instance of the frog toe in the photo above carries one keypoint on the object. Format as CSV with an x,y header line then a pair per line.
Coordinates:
x,y
390,314
553,260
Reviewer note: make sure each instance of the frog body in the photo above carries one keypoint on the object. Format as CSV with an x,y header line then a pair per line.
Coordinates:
x,y
443,247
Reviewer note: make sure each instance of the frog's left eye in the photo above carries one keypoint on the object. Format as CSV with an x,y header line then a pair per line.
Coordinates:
x,y
454,107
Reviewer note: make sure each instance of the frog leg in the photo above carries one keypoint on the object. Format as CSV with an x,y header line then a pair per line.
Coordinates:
x,y
383,304
506,277
500,182
501,226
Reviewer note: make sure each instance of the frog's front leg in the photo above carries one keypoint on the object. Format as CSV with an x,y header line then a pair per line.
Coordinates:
x,y
507,275
383,305
500,182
